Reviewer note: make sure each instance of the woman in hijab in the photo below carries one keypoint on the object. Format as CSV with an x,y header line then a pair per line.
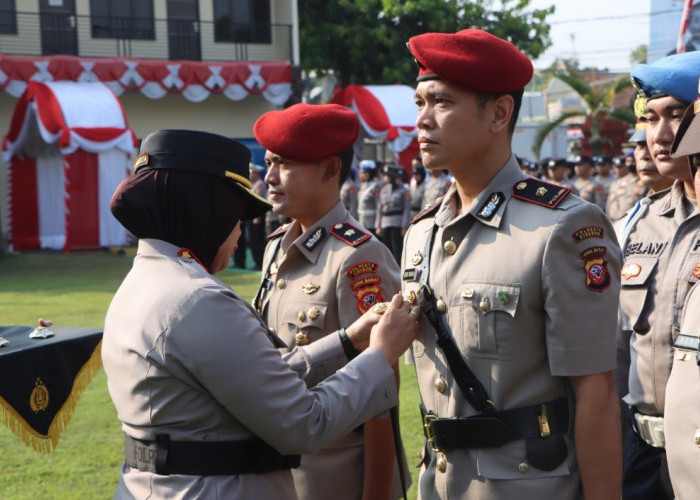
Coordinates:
x,y
208,406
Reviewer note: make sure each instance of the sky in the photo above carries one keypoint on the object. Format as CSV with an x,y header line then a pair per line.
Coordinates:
x,y
599,33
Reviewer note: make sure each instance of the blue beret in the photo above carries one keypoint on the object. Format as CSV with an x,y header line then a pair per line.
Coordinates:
x,y
675,75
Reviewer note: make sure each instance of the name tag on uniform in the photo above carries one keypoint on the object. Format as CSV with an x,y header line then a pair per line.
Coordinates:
x,y
411,274
689,342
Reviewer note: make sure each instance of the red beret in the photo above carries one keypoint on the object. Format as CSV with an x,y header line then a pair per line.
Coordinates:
x,y
307,132
473,59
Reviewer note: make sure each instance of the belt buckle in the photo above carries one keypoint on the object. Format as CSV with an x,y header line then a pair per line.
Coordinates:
x,y
428,418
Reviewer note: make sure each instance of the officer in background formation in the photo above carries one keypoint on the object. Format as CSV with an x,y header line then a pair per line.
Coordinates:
x,y
586,185
348,193
417,189
682,408
658,238
368,195
256,235
519,281
436,185
393,210
624,191
320,273
604,176
558,171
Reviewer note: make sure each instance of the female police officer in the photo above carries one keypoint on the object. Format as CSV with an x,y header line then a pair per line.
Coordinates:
x,y
208,407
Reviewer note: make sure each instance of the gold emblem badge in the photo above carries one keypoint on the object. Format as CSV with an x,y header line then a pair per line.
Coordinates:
x,y
39,399
310,288
631,270
417,258
503,297
541,191
301,339
696,270
380,307
521,185
450,247
313,313
411,297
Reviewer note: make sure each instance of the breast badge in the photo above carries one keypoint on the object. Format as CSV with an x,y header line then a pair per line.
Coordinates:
x,y
631,270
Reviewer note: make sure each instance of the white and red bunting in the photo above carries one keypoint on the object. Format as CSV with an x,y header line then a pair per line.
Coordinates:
x,y
193,79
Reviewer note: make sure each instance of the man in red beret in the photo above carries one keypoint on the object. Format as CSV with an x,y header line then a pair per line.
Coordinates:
x,y
519,281
320,273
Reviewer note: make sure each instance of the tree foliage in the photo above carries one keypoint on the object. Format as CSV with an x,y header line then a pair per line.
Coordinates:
x,y
598,105
364,41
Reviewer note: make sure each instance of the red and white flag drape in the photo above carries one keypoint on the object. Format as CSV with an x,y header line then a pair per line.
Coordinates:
x,y
685,20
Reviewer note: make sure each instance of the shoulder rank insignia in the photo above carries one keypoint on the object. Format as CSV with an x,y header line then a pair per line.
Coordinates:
x,y
350,234
540,192
428,210
279,231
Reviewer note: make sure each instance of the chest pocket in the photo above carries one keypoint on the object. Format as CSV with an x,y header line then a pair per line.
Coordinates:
x,y
482,310
636,280
308,318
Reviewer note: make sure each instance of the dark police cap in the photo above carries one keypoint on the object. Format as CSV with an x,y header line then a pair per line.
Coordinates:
x,y
583,159
308,132
203,152
473,59
556,163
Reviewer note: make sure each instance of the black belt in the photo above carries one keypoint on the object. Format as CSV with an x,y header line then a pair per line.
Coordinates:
x,y
491,430
398,211
204,458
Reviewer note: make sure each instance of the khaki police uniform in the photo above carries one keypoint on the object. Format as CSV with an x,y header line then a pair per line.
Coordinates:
x,y
417,198
367,201
348,195
529,288
606,183
590,190
313,284
393,215
652,296
622,196
193,360
682,409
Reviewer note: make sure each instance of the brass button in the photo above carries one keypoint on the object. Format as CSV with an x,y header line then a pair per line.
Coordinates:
x,y
301,317
441,463
440,384
523,467
280,284
697,437
484,305
441,306
450,247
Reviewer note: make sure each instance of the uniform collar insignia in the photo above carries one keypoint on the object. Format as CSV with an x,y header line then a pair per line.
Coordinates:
x,y
316,237
489,208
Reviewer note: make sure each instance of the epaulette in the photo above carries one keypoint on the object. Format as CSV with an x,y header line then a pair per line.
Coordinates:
x,y
352,235
540,192
279,231
428,210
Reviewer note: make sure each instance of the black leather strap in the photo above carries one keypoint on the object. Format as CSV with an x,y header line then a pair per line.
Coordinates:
x,y
497,428
204,458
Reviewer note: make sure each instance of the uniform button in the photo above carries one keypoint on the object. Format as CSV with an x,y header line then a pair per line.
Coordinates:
x,y
441,306
301,317
441,463
440,385
450,247
523,467
697,437
484,305
280,284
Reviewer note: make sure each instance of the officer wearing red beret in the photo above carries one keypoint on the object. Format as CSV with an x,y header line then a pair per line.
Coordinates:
x,y
519,282
320,273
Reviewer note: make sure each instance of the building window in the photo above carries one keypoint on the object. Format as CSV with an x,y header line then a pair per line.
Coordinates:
x,y
126,19
242,21
8,17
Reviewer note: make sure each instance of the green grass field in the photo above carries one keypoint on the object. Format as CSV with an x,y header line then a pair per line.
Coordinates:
x,y
76,289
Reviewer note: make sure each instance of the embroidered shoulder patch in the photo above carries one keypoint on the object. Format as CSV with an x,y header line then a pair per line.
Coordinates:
x,y
368,292
350,234
587,232
540,192
279,231
427,211
361,268
597,275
